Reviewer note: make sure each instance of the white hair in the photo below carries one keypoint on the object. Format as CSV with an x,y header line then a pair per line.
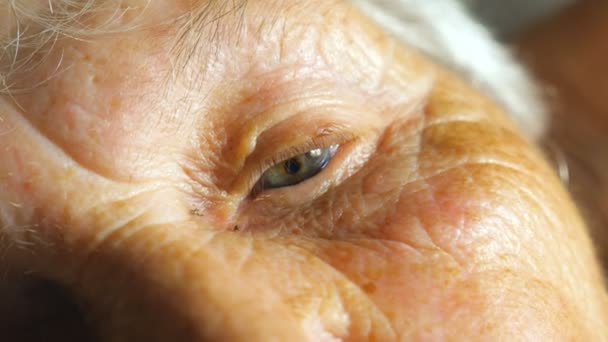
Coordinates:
x,y
29,29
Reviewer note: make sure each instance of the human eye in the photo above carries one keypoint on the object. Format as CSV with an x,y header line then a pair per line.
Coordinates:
x,y
295,170
288,168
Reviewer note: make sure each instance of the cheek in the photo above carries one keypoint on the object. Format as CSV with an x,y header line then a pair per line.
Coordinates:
x,y
453,225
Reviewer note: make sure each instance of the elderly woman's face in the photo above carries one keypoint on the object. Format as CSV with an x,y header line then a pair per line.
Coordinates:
x,y
284,172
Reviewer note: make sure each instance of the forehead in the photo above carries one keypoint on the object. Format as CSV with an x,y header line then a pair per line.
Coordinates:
x,y
182,65
292,39
251,28
192,31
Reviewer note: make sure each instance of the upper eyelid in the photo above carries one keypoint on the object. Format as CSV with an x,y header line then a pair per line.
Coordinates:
x,y
321,141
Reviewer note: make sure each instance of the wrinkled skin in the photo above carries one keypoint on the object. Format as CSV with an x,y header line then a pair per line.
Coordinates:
x,y
127,179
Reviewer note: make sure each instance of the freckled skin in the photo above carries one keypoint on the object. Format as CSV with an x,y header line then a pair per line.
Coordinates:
x,y
436,220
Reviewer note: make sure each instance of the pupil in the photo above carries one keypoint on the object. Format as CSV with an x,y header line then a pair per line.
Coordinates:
x,y
292,166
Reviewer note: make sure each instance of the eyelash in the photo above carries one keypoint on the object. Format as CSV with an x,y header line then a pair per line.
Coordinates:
x,y
335,138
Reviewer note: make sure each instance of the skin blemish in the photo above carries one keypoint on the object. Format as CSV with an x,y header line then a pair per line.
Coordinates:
x,y
196,212
26,186
369,288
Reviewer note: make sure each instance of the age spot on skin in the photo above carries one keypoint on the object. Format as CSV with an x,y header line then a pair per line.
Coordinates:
x,y
369,288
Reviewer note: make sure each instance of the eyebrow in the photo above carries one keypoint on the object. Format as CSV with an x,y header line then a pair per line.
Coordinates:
x,y
206,23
